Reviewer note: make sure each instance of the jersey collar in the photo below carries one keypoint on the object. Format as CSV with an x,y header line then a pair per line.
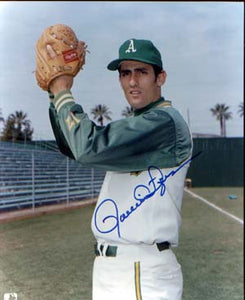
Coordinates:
x,y
139,111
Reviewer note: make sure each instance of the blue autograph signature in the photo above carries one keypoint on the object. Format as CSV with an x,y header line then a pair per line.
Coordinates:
x,y
141,194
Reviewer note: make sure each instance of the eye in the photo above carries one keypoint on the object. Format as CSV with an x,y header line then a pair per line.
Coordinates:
x,y
124,73
143,71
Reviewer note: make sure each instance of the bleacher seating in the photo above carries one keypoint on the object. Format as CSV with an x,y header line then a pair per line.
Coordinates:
x,y
30,177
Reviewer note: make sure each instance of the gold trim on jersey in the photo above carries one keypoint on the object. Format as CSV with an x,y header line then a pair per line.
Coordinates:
x,y
66,98
166,103
71,121
135,173
137,280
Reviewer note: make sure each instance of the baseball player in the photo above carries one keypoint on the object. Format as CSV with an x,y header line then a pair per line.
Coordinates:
x,y
138,214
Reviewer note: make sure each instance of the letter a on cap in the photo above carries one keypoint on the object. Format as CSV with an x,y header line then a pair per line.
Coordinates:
x,y
131,47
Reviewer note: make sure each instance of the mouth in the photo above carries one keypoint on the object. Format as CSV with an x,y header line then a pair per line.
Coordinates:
x,y
134,92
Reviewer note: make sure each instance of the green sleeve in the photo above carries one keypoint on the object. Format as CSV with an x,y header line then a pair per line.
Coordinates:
x,y
130,144
59,136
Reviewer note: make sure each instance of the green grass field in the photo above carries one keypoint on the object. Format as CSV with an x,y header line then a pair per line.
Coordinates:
x,y
51,257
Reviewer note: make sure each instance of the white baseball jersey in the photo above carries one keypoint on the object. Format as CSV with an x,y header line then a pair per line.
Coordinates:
x,y
146,158
140,208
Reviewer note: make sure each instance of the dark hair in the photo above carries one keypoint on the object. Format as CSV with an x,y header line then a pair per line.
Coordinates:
x,y
157,70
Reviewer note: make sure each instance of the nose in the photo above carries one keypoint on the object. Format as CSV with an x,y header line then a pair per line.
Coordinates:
x,y
133,80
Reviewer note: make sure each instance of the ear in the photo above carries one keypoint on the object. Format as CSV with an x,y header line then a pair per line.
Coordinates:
x,y
161,78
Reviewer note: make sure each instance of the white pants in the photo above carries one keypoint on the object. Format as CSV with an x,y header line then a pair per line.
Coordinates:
x,y
137,273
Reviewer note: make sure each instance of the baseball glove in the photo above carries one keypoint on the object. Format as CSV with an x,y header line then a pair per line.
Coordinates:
x,y
58,52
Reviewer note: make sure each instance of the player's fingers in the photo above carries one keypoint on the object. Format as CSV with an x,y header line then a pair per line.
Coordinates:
x,y
50,51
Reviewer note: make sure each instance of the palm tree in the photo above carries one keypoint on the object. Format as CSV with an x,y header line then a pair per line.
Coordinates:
x,y
240,110
222,115
128,111
19,119
17,127
101,112
1,118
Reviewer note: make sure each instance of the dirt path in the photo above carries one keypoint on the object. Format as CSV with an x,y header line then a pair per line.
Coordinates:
x,y
31,213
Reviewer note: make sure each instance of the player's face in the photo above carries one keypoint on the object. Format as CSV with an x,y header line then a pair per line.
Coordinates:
x,y
139,83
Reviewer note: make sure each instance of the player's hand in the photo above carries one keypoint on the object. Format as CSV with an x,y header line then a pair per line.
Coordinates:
x,y
61,83
58,52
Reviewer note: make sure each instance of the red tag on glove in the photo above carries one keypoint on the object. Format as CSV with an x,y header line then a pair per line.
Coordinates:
x,y
70,55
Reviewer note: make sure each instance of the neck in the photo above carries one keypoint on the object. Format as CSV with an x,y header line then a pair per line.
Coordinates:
x,y
152,104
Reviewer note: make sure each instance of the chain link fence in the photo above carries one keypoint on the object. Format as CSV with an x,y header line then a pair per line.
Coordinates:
x,y
32,178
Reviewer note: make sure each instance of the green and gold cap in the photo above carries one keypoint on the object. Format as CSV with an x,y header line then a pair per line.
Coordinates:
x,y
139,50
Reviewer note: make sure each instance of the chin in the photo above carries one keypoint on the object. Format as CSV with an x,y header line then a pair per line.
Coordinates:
x,y
137,104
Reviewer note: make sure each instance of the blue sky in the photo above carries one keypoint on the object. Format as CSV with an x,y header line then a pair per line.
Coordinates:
x,y
201,45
